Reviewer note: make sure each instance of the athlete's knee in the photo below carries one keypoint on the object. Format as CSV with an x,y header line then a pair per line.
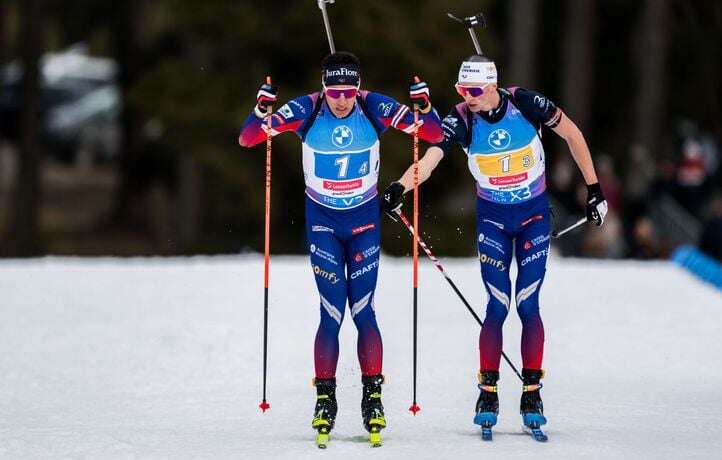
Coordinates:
x,y
331,314
362,310
527,301
498,306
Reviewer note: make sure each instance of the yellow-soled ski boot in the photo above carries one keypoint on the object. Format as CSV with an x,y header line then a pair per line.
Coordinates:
x,y
324,414
372,409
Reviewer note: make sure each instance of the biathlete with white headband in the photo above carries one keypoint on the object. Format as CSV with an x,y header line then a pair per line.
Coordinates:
x,y
500,131
339,129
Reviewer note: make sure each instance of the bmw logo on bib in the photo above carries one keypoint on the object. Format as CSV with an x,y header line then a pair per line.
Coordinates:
x,y
499,139
342,136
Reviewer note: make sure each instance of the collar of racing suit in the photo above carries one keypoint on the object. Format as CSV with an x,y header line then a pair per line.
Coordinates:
x,y
495,115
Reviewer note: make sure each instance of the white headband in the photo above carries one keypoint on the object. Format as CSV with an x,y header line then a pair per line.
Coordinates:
x,y
477,73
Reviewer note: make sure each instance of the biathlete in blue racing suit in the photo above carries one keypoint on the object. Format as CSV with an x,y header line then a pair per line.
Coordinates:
x,y
339,129
500,132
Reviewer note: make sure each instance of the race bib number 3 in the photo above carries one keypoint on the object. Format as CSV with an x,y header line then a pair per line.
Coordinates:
x,y
506,164
340,166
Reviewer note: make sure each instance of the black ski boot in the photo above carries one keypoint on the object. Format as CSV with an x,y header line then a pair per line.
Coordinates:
x,y
372,410
531,407
487,406
324,415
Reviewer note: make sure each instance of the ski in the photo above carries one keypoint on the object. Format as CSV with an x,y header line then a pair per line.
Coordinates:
x,y
486,433
375,436
536,433
322,438
486,420
532,425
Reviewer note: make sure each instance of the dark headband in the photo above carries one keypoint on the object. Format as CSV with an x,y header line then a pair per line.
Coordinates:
x,y
341,74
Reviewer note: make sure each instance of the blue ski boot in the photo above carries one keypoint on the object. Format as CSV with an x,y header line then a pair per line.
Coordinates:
x,y
531,408
487,406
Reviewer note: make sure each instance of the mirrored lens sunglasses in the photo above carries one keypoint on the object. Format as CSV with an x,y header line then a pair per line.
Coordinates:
x,y
334,93
473,91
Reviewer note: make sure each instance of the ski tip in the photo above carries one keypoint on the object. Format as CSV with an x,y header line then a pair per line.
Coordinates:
x,y
486,434
264,406
414,409
539,435
322,440
375,439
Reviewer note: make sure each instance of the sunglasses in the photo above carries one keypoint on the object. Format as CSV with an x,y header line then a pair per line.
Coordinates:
x,y
334,93
473,91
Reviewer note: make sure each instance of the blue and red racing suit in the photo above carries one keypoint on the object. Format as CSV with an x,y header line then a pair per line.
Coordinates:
x,y
506,157
341,166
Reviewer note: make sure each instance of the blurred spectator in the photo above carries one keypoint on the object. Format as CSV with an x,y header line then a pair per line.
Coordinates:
x,y
562,183
645,243
608,181
606,241
711,238
691,176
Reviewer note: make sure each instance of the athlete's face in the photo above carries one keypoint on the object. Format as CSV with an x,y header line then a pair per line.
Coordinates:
x,y
341,99
487,100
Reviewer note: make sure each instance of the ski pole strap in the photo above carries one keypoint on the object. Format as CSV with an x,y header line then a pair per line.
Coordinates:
x,y
534,387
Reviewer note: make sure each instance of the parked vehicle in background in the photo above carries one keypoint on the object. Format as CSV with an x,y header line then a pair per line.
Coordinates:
x,y
80,105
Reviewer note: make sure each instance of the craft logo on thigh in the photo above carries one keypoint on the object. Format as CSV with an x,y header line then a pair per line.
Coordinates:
x,y
368,268
328,276
537,255
498,264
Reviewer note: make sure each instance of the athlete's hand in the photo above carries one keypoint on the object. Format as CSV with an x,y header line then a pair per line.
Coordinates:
x,y
393,198
419,94
596,204
265,97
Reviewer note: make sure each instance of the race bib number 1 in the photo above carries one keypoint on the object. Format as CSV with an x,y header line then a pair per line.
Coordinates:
x,y
340,166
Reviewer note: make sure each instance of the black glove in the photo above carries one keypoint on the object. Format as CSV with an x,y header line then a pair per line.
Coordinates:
x,y
393,198
419,94
596,207
266,97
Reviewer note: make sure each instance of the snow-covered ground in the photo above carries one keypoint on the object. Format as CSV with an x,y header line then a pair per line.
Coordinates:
x,y
154,358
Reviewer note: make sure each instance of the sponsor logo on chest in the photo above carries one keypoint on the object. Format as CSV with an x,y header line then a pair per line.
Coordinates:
x,y
342,136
